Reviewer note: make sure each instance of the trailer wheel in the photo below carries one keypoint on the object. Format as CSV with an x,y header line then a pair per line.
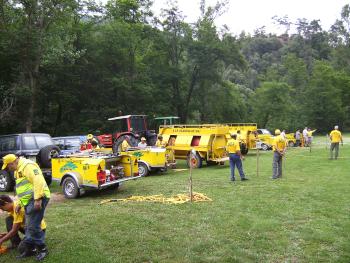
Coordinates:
x,y
143,169
194,161
70,188
7,181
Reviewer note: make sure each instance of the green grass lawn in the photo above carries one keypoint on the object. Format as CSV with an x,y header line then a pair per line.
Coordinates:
x,y
304,217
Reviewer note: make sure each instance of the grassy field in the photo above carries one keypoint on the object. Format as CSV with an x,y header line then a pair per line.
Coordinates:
x,y
303,217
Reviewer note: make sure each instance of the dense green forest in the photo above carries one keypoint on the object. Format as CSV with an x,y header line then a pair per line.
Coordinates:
x,y
68,65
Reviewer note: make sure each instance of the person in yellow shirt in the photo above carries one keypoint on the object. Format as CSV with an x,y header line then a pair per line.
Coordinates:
x,y
15,222
335,137
279,149
160,142
33,195
125,144
234,151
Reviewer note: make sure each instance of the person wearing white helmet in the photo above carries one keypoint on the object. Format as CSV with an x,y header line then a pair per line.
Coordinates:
x,y
279,150
142,144
335,137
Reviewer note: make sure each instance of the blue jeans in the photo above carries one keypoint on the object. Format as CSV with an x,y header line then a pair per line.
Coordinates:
x,y
235,160
33,232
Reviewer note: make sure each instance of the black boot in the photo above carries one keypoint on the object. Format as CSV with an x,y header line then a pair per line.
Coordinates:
x,y
42,252
26,250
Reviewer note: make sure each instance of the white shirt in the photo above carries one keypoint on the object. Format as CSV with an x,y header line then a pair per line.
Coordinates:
x,y
305,133
142,145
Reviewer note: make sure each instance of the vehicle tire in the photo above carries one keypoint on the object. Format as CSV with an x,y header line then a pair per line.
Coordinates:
x,y
7,181
291,144
46,154
194,161
264,147
244,148
118,143
70,188
143,170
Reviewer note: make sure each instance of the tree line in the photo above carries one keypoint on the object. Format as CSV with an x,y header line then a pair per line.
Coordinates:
x,y
66,66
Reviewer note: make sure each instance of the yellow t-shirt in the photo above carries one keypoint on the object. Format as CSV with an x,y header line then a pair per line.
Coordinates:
x,y
279,143
160,143
232,146
335,136
125,145
19,218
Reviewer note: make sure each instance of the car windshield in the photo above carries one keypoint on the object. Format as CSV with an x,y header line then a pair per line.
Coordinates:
x,y
43,140
73,143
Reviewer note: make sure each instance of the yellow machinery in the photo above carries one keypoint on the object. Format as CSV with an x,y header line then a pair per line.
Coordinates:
x,y
266,138
78,172
207,140
247,134
152,159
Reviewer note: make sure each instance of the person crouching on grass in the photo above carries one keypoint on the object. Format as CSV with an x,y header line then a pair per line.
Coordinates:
x,y
14,222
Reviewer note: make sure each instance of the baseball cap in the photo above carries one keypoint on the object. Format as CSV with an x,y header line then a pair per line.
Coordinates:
x,y
8,159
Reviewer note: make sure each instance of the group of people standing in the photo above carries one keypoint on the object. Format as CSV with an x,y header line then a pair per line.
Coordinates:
x,y
279,148
304,139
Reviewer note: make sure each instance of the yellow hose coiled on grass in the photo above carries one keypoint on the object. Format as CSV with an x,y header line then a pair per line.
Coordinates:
x,y
177,199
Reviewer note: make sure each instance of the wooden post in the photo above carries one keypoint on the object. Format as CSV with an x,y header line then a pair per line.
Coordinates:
x,y
257,161
192,153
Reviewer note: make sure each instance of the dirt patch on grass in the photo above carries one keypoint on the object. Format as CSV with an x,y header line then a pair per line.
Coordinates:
x,y
56,198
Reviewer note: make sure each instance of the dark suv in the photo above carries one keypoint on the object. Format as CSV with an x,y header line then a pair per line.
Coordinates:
x,y
38,147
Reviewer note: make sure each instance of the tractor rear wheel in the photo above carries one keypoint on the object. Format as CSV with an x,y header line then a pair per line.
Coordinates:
x,y
117,146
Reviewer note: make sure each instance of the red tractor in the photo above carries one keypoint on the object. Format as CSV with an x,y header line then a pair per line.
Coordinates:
x,y
132,127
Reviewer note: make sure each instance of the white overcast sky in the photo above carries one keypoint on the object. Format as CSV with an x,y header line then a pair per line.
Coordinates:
x,y
248,15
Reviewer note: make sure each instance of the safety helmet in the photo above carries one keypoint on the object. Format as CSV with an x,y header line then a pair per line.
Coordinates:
x,y
233,134
90,136
277,132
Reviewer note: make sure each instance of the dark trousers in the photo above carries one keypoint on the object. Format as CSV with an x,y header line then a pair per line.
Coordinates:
x,y
276,165
15,240
35,236
235,160
334,146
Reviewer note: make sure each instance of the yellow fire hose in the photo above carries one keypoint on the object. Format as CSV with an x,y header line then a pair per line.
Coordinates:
x,y
177,199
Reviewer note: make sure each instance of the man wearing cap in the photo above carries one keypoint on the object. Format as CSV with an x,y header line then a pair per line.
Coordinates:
x,y
33,195
279,149
88,144
142,144
335,137
160,142
236,157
